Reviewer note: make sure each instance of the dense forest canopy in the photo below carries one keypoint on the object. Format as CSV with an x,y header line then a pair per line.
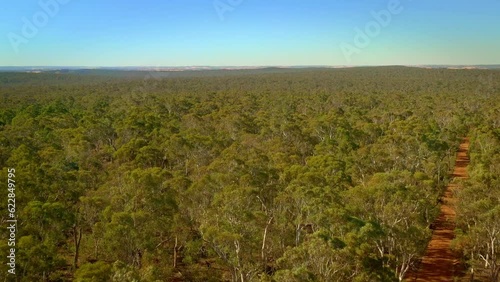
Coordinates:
x,y
270,175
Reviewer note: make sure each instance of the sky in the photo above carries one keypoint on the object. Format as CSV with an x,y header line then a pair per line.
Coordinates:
x,y
248,32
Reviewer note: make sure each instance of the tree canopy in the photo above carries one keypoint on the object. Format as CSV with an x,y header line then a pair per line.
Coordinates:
x,y
299,175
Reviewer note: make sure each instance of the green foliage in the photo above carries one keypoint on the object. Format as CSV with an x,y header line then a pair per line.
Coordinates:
x,y
37,259
93,272
478,213
258,175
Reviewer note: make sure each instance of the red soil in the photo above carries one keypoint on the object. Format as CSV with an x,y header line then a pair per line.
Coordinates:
x,y
439,262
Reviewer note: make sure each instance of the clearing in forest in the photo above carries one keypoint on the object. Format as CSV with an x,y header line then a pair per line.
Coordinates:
x,y
439,262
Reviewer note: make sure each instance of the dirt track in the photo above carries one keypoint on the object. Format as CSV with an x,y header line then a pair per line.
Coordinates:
x,y
439,262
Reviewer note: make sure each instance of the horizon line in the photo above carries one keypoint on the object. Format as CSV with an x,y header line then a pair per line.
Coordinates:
x,y
233,66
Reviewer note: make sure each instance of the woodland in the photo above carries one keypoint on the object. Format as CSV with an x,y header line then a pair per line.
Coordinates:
x,y
271,175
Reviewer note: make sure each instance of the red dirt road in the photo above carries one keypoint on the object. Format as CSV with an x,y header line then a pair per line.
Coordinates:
x,y
439,262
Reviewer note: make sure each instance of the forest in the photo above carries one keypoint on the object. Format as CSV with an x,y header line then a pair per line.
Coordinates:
x,y
272,175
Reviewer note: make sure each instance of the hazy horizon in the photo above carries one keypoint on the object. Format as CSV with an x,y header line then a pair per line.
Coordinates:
x,y
150,69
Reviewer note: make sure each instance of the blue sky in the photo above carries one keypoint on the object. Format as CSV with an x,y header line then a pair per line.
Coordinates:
x,y
248,32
